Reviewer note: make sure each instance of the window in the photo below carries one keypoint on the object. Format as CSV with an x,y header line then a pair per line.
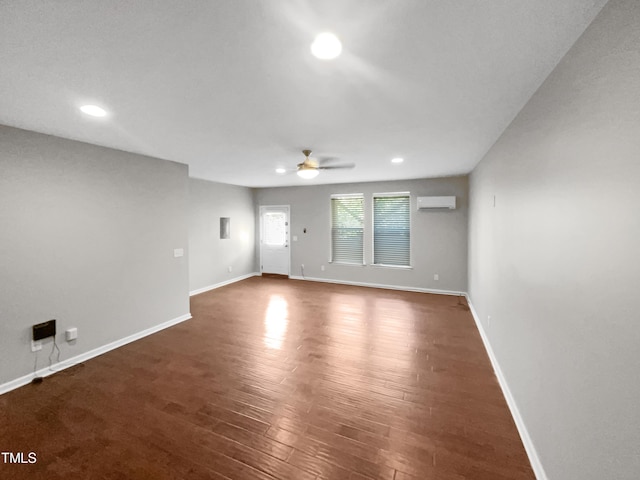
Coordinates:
x,y
347,229
275,228
391,229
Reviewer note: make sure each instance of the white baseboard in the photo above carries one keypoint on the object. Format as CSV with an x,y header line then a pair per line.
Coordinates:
x,y
222,284
378,285
532,453
57,367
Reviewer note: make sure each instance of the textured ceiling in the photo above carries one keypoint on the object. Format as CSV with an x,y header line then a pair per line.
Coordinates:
x,y
230,87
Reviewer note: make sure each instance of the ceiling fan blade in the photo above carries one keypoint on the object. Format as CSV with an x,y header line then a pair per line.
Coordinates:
x,y
323,160
335,167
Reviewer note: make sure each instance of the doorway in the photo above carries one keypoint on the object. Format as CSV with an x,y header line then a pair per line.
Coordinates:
x,y
274,239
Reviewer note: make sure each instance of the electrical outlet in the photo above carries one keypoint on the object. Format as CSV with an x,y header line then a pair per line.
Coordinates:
x,y
322,267
230,268
488,320
436,277
36,345
71,334
302,265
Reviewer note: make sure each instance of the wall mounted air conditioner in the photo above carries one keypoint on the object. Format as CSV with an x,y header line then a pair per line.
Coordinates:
x,y
425,203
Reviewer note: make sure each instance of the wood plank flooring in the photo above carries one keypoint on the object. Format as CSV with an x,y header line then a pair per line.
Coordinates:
x,y
278,379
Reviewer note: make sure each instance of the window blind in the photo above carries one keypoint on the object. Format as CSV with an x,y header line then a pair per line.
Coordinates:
x,y
391,230
347,229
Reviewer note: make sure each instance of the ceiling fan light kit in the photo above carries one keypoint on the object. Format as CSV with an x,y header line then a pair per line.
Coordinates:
x,y
308,173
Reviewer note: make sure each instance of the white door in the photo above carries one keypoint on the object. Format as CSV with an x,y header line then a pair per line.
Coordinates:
x,y
274,239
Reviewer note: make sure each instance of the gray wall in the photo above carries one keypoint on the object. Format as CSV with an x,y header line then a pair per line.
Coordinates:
x,y
209,256
86,237
438,238
556,262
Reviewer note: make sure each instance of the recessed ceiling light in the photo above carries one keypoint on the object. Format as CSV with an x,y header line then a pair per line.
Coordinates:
x,y
326,46
397,160
281,170
93,110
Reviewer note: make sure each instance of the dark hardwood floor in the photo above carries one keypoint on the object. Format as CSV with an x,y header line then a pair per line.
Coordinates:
x,y
280,379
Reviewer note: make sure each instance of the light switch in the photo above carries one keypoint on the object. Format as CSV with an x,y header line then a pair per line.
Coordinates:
x,y
178,252
295,238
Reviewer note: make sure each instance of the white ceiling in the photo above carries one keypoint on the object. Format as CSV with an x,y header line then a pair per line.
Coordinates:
x,y
230,87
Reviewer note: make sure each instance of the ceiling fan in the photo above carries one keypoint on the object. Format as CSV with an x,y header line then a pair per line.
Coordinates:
x,y
310,168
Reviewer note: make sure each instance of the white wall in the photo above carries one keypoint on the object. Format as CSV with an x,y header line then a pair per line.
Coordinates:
x,y
210,256
438,238
86,237
556,262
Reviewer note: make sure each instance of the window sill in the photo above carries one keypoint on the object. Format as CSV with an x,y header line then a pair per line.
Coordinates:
x,y
393,267
348,264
